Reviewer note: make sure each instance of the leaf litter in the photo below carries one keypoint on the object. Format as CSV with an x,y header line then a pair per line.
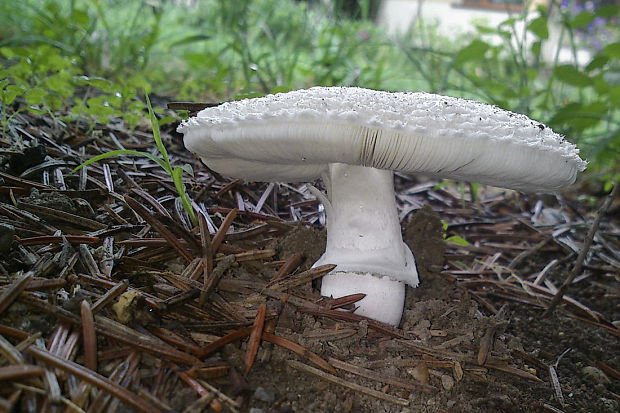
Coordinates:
x,y
111,298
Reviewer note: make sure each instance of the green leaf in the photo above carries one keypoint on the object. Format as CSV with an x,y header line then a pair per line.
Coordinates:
x,y
120,152
608,11
279,89
582,20
601,86
11,93
80,17
614,94
190,39
455,239
508,22
612,50
597,62
444,225
571,76
536,46
187,168
7,52
35,96
177,178
166,120
98,82
157,137
579,116
473,51
538,26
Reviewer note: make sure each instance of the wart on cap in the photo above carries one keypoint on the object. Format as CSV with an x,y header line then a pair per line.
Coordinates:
x,y
353,139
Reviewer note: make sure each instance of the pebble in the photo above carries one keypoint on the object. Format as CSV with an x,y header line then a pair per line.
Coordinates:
x,y
594,375
265,395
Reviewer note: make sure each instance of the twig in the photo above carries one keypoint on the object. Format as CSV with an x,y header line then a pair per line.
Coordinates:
x,y
486,342
192,106
555,382
10,294
525,254
370,374
255,336
110,295
17,371
341,382
219,236
584,251
94,378
158,226
89,336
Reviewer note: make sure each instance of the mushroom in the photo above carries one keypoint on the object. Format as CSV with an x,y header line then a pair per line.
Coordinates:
x,y
354,139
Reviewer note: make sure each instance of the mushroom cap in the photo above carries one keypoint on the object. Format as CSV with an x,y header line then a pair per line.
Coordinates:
x,y
293,137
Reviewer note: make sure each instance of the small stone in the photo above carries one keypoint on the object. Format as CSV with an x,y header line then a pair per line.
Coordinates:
x,y
595,375
256,410
265,395
447,382
126,305
420,373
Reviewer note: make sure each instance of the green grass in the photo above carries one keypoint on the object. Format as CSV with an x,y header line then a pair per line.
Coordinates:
x,y
97,57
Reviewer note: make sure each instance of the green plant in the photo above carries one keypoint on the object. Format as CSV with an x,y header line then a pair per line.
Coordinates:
x,y
108,38
47,81
505,66
454,239
176,172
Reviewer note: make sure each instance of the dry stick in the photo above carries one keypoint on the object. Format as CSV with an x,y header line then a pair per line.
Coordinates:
x,y
255,335
62,216
344,301
192,106
107,261
110,295
93,378
207,256
17,371
10,294
584,251
159,227
528,252
9,352
299,350
304,277
370,374
89,337
54,393
353,386
219,236
215,276
291,263
56,239
89,261
486,342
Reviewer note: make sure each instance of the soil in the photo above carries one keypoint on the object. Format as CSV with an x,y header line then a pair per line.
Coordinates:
x,y
469,295
437,312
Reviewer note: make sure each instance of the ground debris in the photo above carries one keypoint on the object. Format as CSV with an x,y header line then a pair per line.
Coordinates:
x,y
109,294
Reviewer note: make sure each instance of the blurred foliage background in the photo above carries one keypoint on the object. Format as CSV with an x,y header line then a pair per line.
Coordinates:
x,y
94,59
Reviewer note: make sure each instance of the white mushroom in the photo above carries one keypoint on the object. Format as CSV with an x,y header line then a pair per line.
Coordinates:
x,y
354,138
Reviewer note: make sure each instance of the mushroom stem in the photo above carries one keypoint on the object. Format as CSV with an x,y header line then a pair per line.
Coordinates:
x,y
364,240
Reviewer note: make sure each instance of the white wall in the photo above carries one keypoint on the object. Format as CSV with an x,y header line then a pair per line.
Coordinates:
x,y
398,16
